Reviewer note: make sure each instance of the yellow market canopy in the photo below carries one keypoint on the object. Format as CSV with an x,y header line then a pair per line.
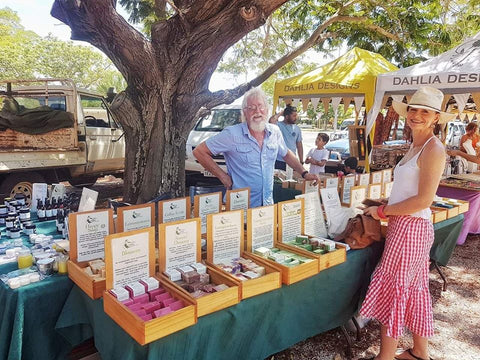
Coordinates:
x,y
352,75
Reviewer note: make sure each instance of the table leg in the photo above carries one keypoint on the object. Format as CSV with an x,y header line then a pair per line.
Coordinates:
x,y
442,275
349,340
357,327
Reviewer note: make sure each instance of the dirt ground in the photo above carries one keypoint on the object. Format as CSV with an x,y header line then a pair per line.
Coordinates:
x,y
456,311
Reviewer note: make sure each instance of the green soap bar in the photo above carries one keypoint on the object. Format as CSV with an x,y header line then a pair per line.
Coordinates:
x,y
301,239
274,250
318,251
308,247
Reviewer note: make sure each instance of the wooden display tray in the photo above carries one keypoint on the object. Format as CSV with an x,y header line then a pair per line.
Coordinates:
x,y
252,287
438,214
291,275
461,205
94,289
145,332
325,261
216,301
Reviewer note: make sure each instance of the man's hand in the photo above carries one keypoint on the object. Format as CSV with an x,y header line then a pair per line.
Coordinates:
x,y
312,177
226,181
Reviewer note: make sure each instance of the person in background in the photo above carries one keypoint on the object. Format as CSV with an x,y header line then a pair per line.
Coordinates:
x,y
291,134
472,158
351,164
250,149
317,157
472,135
398,293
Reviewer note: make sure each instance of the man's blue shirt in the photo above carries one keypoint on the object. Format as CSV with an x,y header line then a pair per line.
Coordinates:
x,y
247,164
291,135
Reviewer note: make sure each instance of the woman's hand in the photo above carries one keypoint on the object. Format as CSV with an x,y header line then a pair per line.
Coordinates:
x,y
371,211
453,152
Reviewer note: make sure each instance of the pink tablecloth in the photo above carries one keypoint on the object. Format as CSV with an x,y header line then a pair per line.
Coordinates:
x,y
471,223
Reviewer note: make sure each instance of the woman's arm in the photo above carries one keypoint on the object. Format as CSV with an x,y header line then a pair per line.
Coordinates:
x,y
462,140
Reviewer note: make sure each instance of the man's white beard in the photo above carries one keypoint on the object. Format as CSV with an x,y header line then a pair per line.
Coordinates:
x,y
258,126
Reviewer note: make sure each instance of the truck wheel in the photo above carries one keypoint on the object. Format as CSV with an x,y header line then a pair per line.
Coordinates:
x,y
20,183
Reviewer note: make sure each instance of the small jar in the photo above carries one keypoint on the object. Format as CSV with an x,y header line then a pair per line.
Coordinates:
x,y
10,221
14,233
29,229
45,266
7,200
24,259
24,213
12,205
3,209
12,213
20,198
7,231
3,218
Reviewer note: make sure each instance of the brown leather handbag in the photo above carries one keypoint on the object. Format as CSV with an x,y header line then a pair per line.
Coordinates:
x,y
360,232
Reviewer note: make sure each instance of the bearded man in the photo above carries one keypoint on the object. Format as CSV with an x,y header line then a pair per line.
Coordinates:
x,y
250,150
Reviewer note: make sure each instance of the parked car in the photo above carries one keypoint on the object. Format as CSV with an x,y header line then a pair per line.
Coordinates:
x,y
346,123
340,148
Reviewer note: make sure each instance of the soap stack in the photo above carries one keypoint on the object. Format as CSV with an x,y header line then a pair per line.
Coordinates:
x,y
315,245
283,257
194,279
95,269
243,269
147,299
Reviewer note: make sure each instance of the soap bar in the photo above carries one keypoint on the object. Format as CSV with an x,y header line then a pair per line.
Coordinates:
x,y
128,302
191,277
146,317
163,296
173,274
220,287
301,239
140,312
141,299
185,269
151,307
194,287
199,293
150,283
204,278
162,312
120,293
135,289
200,268
135,307
307,247
251,275
167,302
177,305
155,292
260,270
262,251
208,288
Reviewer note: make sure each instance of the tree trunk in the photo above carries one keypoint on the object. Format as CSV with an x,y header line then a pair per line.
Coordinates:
x,y
154,146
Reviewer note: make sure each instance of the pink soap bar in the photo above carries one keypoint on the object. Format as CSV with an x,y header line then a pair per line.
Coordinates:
x,y
162,312
151,307
176,305
167,302
141,299
135,306
140,312
146,317
163,296
156,292
128,302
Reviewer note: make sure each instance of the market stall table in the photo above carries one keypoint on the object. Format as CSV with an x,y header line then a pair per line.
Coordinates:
x,y
253,329
471,223
28,314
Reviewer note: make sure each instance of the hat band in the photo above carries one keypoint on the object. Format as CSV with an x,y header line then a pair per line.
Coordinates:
x,y
425,106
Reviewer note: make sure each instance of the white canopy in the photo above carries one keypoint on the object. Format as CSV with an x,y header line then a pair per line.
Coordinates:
x,y
455,72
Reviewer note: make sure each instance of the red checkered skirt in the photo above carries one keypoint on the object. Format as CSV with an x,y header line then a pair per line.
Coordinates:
x,y
398,293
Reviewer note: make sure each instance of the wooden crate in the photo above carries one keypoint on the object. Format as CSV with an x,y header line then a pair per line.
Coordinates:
x,y
216,301
93,288
291,275
325,261
462,205
438,214
145,332
252,287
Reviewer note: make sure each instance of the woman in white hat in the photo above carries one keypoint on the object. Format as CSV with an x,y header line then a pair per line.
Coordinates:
x,y
398,294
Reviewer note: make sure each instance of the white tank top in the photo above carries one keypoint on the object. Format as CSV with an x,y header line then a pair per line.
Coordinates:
x,y
405,184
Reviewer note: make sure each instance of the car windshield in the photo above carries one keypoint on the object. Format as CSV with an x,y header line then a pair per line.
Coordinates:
x,y
218,119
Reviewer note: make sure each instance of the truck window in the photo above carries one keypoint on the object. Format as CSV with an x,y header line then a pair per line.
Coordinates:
x,y
219,119
95,111
31,102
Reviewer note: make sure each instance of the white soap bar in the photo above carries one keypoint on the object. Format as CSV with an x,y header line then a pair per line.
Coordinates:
x,y
185,269
173,274
262,251
150,283
120,293
24,279
200,268
34,277
14,283
9,253
135,289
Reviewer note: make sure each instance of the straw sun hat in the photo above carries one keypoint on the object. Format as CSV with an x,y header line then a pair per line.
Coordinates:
x,y
426,97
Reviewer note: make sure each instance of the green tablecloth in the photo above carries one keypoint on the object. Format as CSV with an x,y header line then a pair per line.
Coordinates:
x,y
28,314
252,329
446,235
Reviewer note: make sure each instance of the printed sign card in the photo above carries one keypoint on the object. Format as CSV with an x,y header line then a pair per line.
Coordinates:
x,y
87,231
238,199
290,219
358,194
314,221
308,187
374,191
129,257
347,183
173,210
135,217
363,179
88,200
179,243
261,227
376,177
332,182
207,204
224,236
39,191
387,175
337,217
58,190
387,189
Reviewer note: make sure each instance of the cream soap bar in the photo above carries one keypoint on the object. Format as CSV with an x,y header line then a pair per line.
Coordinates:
x,y
199,268
173,274
150,283
135,289
120,293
